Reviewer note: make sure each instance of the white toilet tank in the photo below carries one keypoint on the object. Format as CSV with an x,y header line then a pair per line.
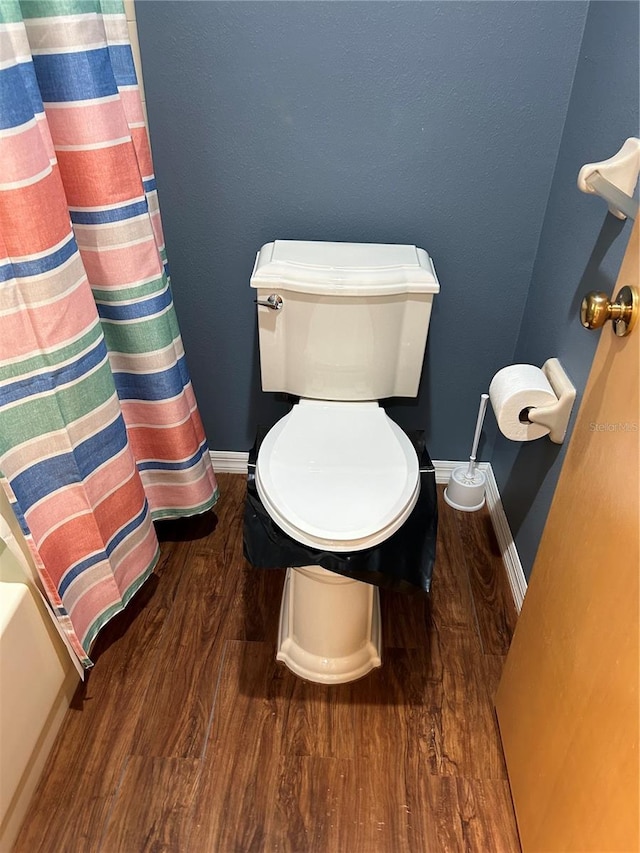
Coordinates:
x,y
353,318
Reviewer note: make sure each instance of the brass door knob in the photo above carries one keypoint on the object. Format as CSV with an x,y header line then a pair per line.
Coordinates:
x,y
623,313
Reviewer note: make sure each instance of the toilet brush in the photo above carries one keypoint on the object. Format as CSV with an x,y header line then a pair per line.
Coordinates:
x,y
466,486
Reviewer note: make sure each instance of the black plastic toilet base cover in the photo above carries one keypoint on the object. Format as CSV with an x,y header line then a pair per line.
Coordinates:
x,y
402,562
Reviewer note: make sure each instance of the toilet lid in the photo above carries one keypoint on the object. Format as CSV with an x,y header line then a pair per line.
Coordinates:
x,y
337,474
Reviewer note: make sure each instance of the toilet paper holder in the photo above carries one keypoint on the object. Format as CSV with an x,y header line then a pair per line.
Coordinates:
x,y
556,416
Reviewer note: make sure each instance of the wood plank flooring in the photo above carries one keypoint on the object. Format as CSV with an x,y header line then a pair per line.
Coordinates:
x,y
188,737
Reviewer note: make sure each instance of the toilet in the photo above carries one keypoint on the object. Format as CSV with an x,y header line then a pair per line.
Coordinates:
x,y
341,326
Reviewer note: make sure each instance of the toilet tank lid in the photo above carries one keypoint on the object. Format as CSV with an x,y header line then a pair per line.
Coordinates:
x,y
348,269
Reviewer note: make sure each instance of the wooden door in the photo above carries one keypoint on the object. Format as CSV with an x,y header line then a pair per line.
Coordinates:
x,y
568,700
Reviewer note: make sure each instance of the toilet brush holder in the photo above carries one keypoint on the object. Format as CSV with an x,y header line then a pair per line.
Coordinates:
x,y
466,486
466,492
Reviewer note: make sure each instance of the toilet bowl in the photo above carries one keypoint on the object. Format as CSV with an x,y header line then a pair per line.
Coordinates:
x,y
341,325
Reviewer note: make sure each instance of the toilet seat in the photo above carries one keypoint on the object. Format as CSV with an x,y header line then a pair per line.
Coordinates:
x,y
337,476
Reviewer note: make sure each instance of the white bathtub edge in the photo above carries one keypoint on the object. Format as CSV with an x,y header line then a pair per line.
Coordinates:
x,y
21,800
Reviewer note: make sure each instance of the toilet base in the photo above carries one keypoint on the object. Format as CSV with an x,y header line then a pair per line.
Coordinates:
x,y
329,626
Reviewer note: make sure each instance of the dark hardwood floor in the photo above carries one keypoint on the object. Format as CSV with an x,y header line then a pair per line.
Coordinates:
x,y
188,737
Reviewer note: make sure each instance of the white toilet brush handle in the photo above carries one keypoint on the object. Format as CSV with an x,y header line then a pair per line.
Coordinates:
x,y
476,438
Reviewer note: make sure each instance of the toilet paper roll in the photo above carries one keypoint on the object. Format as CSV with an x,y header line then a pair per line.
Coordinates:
x,y
512,391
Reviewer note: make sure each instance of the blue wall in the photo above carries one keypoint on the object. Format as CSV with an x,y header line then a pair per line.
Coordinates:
x,y
456,126
581,248
429,123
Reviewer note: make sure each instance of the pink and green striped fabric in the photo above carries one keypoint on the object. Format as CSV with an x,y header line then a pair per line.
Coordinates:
x,y
99,427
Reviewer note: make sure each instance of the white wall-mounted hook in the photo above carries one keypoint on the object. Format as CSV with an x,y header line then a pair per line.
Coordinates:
x,y
615,179
556,416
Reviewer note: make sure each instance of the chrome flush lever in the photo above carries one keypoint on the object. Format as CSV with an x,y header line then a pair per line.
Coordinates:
x,y
273,301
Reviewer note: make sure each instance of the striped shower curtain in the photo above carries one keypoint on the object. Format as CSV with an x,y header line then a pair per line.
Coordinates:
x,y
99,428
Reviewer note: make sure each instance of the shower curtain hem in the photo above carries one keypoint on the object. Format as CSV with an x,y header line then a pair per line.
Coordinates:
x,y
168,514
115,609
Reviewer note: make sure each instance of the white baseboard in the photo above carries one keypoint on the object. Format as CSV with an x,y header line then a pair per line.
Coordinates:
x,y
229,461
235,462
510,557
444,467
